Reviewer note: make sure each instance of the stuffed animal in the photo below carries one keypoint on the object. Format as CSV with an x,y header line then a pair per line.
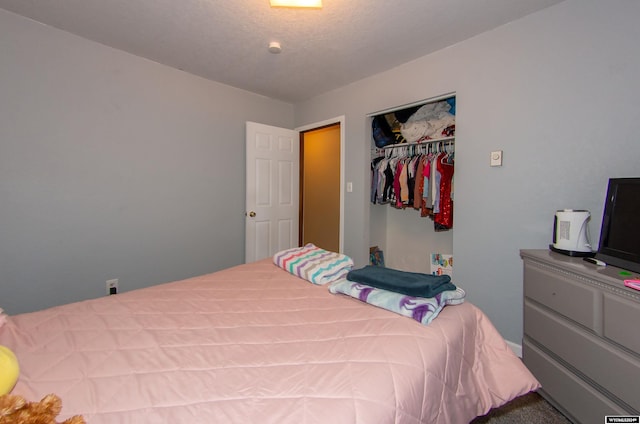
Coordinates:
x,y
15,409
9,369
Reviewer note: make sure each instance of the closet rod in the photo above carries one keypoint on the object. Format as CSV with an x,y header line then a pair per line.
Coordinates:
x,y
418,143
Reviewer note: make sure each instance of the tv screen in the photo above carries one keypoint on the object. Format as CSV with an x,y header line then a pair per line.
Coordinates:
x,y
620,232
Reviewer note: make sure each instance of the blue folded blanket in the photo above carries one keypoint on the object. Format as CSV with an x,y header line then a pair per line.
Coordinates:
x,y
408,283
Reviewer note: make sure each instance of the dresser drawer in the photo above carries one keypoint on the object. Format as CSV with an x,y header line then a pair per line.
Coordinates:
x,y
558,292
616,371
621,322
567,391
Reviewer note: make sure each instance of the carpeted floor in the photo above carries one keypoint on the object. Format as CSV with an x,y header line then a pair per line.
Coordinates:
x,y
527,409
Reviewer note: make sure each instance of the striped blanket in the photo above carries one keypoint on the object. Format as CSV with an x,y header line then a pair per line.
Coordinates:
x,y
421,309
314,264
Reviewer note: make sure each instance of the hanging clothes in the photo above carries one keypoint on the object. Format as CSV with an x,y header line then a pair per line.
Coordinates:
x,y
426,206
443,220
416,178
375,179
418,188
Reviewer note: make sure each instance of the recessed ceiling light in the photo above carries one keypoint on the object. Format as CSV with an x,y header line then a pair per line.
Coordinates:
x,y
317,4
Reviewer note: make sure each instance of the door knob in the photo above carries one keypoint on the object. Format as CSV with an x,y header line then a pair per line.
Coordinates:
x,y
252,214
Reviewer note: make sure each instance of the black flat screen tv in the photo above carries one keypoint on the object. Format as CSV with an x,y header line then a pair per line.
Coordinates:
x,y
620,232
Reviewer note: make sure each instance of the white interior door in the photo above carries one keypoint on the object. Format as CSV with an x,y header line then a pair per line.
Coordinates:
x,y
272,190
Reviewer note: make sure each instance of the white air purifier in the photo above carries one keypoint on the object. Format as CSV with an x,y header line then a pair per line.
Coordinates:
x,y
571,233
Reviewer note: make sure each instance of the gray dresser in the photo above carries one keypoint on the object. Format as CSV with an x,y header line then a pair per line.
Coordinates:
x,y
582,335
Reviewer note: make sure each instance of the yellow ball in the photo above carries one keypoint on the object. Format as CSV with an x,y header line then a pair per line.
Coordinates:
x,y
9,370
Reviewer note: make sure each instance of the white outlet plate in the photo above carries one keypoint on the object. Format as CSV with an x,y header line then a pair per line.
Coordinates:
x,y
496,158
112,284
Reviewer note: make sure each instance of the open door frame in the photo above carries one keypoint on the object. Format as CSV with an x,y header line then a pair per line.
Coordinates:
x,y
338,120
250,253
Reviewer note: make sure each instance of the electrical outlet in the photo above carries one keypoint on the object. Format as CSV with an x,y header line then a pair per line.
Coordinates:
x,y
112,286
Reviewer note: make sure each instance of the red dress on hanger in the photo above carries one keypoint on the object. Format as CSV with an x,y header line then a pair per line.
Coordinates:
x,y
445,217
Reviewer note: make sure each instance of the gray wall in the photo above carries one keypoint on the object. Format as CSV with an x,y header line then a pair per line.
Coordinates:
x,y
557,91
112,166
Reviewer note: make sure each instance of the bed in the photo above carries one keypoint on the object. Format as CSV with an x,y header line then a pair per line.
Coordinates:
x,y
257,344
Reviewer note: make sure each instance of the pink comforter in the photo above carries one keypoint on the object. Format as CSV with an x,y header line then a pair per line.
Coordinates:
x,y
254,344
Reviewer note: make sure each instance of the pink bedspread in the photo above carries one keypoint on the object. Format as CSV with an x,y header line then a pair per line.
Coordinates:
x,y
254,344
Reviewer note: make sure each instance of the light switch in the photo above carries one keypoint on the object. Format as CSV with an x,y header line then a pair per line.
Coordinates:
x,y
349,187
496,158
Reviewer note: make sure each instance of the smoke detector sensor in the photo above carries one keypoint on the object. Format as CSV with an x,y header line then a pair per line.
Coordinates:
x,y
274,47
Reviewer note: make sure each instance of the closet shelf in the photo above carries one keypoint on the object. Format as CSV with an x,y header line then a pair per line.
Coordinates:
x,y
418,143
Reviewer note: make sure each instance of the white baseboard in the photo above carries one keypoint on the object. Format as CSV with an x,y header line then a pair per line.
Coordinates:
x,y
517,349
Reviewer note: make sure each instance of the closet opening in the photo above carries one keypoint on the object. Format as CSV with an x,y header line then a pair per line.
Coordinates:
x,y
412,189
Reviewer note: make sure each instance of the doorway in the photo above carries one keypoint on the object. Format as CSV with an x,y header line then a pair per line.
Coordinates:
x,y
273,206
320,183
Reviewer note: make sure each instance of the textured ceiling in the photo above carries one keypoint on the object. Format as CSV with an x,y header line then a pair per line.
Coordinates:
x,y
226,41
